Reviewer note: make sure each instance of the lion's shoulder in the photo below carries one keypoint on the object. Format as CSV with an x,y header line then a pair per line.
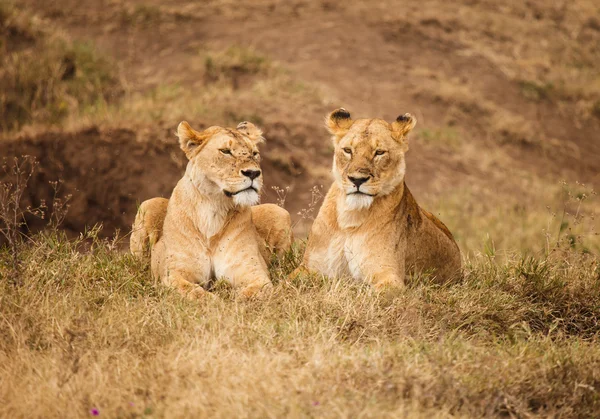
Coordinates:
x,y
410,209
414,214
440,225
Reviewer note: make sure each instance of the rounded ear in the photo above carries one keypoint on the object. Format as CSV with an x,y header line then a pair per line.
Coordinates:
x,y
251,131
403,125
189,139
338,122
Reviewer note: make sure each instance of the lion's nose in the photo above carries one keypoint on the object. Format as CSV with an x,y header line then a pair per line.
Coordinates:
x,y
252,174
358,180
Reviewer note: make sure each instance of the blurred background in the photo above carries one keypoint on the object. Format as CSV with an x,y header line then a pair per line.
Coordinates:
x,y
507,96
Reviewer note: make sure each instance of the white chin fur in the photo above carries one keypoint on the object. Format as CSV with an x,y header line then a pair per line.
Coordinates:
x,y
358,201
246,198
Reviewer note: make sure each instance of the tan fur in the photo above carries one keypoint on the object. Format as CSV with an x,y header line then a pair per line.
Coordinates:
x,y
208,230
148,225
273,224
382,236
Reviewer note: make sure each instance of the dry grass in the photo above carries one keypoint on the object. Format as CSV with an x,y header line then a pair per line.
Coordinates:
x,y
44,76
89,330
533,220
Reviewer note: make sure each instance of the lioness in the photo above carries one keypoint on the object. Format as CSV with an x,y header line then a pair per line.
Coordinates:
x,y
369,226
207,229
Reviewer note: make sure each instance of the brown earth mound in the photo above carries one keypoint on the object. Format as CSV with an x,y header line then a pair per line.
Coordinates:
x,y
106,172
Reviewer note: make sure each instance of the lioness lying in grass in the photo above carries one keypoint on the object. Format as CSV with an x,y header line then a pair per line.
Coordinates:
x,y
207,228
369,226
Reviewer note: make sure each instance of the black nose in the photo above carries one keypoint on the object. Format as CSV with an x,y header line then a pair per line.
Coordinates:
x,y
358,180
252,174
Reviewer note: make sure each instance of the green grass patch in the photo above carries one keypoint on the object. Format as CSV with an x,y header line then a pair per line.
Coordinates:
x,y
447,136
141,15
234,61
536,91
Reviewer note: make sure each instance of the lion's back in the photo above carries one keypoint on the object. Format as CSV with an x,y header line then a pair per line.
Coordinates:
x,y
433,248
148,225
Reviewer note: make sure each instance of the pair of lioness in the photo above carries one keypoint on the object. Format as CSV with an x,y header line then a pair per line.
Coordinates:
x,y
369,226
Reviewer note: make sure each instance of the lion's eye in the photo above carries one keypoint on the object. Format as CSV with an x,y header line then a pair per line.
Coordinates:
x,y
255,154
379,152
347,150
225,151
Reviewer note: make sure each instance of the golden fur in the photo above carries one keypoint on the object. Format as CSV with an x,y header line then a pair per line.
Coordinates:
x,y
147,226
273,225
207,230
369,226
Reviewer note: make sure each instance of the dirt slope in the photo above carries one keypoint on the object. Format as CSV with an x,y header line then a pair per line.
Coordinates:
x,y
470,71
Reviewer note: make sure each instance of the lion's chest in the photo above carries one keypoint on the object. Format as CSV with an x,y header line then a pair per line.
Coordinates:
x,y
342,257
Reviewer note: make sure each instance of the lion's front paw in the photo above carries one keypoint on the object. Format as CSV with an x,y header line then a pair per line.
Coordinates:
x,y
197,293
384,282
256,290
297,273
388,287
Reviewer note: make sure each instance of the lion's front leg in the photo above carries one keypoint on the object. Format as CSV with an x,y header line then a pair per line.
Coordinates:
x,y
386,279
186,271
238,260
382,267
249,276
179,281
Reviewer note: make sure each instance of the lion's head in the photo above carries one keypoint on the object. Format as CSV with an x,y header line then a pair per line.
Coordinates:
x,y
369,155
223,161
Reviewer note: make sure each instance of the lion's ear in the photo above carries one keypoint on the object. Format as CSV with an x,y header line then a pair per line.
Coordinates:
x,y
338,122
251,131
189,139
403,125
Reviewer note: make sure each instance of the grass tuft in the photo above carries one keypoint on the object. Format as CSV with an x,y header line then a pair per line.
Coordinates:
x,y
142,15
234,62
46,77
536,91
447,137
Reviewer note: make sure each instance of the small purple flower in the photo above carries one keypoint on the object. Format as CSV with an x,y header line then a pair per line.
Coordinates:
x,y
315,403
95,412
